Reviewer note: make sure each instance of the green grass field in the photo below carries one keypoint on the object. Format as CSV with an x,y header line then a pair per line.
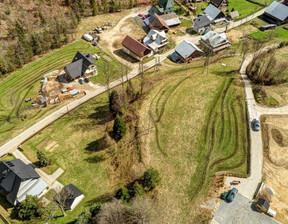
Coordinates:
x,y
200,128
280,34
25,83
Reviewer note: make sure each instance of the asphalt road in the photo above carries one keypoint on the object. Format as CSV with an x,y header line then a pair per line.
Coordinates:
x,y
240,211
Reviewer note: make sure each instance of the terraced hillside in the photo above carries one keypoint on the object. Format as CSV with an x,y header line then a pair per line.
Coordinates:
x,y
199,129
26,82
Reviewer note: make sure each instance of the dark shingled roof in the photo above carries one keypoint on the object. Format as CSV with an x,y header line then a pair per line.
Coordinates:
x,y
217,3
79,64
202,21
74,193
22,170
134,46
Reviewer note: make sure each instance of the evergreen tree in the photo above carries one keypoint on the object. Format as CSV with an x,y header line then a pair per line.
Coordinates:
x,y
29,208
119,128
43,158
151,179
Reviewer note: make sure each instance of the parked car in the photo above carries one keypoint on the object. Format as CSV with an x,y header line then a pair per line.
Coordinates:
x,y
255,125
232,195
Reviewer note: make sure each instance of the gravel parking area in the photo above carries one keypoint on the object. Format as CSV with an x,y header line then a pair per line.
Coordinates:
x,y
240,211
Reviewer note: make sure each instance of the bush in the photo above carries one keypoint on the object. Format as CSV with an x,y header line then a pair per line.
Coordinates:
x,y
151,179
282,44
138,189
29,208
124,194
43,158
115,102
88,214
119,128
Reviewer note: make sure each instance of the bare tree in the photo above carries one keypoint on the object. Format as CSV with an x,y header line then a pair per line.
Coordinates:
x,y
141,71
60,199
108,73
244,48
208,54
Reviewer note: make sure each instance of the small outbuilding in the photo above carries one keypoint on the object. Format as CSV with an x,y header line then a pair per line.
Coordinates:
x,y
156,40
74,196
186,51
134,48
233,15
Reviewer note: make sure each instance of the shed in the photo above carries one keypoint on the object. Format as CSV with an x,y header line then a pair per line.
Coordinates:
x,y
213,12
75,196
268,27
233,14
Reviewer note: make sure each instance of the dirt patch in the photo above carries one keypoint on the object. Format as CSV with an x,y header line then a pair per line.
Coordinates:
x,y
51,147
275,169
43,143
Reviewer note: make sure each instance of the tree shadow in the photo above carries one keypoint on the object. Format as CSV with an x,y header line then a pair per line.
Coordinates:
x,y
100,199
98,145
225,74
102,115
95,159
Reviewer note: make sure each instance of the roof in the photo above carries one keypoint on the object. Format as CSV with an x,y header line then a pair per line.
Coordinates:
x,y
157,22
233,14
18,179
20,169
186,48
214,39
263,202
74,191
171,19
217,3
201,21
268,26
80,64
134,46
166,4
155,39
212,11
277,10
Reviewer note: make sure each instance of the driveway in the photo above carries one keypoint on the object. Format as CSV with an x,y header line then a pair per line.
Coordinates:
x,y
240,211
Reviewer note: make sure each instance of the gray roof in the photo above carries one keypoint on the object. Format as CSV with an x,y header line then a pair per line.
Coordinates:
x,y
234,14
277,10
171,19
213,11
74,193
18,179
186,48
214,39
155,39
80,64
201,21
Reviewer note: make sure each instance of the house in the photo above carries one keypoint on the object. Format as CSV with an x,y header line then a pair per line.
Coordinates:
x,y
135,49
186,51
163,7
214,42
202,24
73,196
219,3
156,22
82,65
18,180
213,12
233,14
276,13
171,19
156,40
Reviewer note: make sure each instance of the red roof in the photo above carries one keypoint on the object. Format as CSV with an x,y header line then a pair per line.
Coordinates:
x,y
134,46
162,21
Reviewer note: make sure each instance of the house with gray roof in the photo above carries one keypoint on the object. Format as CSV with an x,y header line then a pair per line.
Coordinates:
x,y
82,65
163,7
214,42
202,24
276,13
171,19
18,180
213,12
156,40
186,51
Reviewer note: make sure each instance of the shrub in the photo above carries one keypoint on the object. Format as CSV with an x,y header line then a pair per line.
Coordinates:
x,y
43,158
119,128
29,208
138,189
124,194
151,179
115,102
282,44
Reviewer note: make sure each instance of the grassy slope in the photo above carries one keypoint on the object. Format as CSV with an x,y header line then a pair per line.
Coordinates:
x,y
190,111
25,83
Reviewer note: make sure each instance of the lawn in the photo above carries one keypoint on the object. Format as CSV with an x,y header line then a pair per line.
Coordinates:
x,y
280,34
25,83
200,128
186,23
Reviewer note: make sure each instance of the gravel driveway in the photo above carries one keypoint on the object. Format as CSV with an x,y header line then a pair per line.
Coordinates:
x,y
240,212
